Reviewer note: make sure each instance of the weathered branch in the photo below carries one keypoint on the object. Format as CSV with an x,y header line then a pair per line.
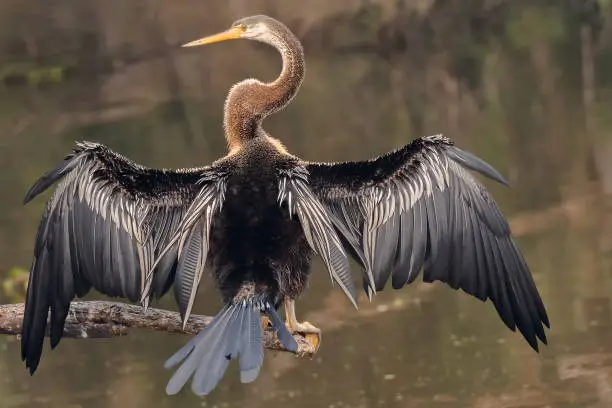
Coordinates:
x,y
99,319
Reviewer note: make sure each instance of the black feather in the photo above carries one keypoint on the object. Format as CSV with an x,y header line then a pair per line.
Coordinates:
x,y
50,178
80,243
472,162
449,225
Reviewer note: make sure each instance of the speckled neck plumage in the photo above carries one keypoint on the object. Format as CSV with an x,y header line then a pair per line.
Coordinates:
x,y
250,101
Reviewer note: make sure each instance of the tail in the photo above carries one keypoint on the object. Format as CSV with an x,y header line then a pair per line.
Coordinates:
x,y
236,331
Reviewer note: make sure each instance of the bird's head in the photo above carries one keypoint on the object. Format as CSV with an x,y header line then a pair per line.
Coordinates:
x,y
260,28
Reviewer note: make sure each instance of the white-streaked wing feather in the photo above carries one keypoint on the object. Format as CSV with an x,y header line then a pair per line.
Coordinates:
x,y
317,227
103,225
192,236
419,208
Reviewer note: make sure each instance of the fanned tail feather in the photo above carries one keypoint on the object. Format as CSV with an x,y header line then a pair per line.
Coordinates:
x,y
236,331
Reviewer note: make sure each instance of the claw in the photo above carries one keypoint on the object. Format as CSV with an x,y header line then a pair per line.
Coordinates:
x,y
266,324
308,330
311,333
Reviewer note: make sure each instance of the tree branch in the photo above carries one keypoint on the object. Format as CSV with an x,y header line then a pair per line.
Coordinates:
x,y
99,319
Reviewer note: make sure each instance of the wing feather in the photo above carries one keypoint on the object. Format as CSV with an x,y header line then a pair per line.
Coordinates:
x,y
192,236
102,227
318,229
419,208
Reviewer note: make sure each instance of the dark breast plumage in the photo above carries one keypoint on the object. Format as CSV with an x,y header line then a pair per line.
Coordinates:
x,y
253,237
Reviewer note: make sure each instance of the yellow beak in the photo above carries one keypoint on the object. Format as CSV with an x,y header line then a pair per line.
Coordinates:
x,y
231,34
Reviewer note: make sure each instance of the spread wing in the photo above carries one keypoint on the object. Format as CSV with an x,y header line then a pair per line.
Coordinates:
x,y
419,208
104,226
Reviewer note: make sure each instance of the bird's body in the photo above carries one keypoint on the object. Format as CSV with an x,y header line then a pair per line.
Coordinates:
x,y
253,238
255,217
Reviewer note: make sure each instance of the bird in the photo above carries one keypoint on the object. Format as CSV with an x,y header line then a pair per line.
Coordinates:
x,y
255,218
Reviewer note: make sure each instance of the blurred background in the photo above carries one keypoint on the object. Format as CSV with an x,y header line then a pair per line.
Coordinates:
x,y
525,85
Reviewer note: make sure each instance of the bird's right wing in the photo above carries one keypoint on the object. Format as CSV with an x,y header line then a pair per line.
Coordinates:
x,y
104,226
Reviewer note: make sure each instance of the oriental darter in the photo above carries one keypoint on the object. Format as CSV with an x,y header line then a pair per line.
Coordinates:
x,y
254,218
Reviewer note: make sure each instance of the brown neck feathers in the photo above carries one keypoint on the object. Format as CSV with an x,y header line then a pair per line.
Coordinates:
x,y
250,101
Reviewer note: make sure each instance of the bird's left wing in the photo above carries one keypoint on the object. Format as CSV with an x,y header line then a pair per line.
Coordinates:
x,y
419,208
294,192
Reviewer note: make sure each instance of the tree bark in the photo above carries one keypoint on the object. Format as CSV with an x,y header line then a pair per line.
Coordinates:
x,y
100,319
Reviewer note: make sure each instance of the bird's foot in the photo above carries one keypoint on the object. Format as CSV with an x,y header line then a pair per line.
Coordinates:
x,y
311,333
266,324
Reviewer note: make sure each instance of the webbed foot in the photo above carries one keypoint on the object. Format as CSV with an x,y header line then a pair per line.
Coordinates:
x,y
308,330
266,324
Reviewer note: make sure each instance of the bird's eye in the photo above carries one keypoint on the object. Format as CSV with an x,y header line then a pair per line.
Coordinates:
x,y
243,27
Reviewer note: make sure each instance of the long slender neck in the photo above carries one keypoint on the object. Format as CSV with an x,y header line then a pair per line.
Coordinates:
x,y
250,101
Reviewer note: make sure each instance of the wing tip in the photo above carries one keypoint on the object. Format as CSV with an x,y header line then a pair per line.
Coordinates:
x,y
37,188
477,164
49,178
31,359
533,338
28,197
